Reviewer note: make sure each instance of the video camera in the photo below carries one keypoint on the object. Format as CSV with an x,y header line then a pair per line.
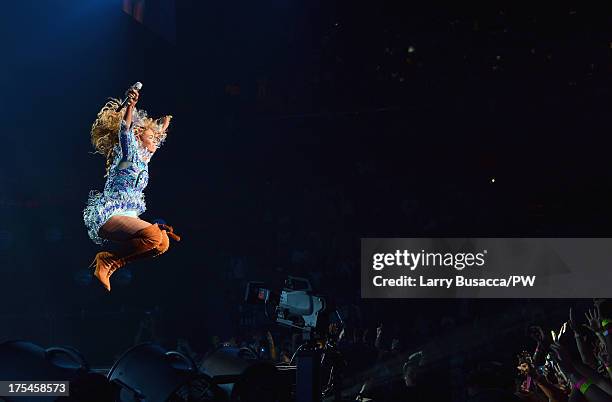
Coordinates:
x,y
294,306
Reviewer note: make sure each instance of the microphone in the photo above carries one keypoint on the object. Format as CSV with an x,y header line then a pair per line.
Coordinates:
x,y
137,86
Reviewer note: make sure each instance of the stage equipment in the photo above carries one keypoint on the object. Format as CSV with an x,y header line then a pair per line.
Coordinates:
x,y
25,361
294,306
148,372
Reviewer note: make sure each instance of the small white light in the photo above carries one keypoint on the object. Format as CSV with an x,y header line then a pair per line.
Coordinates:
x,y
493,180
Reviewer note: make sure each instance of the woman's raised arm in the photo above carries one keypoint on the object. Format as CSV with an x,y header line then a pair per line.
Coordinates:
x,y
133,95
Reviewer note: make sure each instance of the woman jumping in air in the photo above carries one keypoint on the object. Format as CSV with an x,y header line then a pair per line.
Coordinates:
x,y
127,139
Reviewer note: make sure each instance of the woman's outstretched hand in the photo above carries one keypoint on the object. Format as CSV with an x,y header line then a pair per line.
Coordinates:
x,y
133,96
166,122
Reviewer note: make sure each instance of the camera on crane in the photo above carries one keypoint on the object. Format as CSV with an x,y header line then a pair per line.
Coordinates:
x,y
294,306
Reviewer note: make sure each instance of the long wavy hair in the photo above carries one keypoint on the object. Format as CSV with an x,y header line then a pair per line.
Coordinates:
x,y
105,129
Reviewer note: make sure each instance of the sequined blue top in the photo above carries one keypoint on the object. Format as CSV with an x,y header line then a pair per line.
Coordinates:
x,y
123,192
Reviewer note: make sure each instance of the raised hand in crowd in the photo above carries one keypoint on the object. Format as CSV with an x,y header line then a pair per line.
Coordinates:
x,y
587,358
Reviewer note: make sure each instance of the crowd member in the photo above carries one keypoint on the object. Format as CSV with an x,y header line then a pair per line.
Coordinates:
x,y
376,364
561,369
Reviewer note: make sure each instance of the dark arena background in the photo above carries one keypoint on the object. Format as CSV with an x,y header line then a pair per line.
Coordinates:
x,y
299,128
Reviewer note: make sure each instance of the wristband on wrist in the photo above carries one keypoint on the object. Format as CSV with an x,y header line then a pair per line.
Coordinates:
x,y
579,383
583,385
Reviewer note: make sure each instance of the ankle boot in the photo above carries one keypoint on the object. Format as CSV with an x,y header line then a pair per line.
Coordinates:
x,y
170,231
103,263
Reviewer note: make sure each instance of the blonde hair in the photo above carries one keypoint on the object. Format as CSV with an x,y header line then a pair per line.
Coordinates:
x,y
142,123
105,129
